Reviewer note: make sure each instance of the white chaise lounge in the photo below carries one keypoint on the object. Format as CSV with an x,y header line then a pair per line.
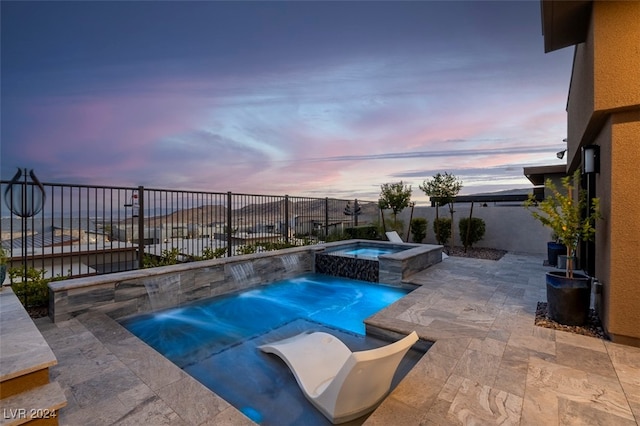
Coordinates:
x,y
343,385
394,237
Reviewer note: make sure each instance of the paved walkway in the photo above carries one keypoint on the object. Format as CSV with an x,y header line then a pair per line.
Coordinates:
x,y
489,365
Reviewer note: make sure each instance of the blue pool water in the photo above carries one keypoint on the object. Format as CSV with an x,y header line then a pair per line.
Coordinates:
x,y
212,325
364,252
370,252
215,340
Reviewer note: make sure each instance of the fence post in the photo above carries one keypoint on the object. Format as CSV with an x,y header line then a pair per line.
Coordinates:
x,y
229,218
286,219
140,227
326,217
356,212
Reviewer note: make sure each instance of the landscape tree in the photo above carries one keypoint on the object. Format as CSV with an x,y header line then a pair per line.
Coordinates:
x,y
394,196
443,188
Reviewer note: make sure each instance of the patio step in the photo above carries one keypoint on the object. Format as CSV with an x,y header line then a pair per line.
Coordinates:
x,y
26,395
37,406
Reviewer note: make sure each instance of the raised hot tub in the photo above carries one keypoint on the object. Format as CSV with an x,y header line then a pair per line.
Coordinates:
x,y
376,261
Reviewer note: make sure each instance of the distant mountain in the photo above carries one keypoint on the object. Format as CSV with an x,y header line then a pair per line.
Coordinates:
x,y
255,213
517,191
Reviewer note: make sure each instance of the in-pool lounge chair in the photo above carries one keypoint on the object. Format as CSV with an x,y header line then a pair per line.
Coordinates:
x,y
343,385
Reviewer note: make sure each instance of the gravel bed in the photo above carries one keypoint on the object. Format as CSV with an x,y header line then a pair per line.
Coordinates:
x,y
475,252
38,311
593,327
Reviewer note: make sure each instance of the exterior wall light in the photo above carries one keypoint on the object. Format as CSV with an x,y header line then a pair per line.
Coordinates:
x,y
25,199
591,159
560,154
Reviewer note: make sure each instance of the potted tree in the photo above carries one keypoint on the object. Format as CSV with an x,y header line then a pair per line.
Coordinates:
x,y
571,220
555,249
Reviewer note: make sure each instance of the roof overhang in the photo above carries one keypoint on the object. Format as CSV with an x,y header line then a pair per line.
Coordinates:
x,y
539,174
491,198
564,22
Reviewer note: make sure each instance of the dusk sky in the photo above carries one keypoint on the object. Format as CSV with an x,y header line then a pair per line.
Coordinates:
x,y
300,98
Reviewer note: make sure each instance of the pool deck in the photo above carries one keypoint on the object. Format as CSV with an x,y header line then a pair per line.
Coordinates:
x,y
490,363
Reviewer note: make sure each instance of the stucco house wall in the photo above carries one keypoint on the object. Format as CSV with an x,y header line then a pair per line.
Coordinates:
x,y
604,109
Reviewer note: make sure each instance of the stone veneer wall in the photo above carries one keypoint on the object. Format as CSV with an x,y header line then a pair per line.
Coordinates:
x,y
398,266
347,267
125,293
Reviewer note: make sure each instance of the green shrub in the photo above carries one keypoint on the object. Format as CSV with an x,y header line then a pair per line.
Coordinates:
x,y
3,257
247,249
442,229
362,232
168,257
32,291
380,232
418,229
396,225
475,233
336,236
274,245
209,253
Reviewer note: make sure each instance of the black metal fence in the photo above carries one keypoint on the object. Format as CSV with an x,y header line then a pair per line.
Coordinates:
x,y
86,230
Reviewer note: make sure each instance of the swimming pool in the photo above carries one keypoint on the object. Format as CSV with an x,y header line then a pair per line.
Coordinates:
x,y
212,325
215,339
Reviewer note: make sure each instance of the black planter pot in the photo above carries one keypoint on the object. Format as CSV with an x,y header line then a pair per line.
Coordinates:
x,y
553,251
568,299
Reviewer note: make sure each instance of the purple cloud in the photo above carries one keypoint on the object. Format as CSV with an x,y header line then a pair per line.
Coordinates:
x,y
299,98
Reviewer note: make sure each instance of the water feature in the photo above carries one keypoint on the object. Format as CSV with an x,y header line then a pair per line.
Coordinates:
x,y
215,340
242,272
291,262
163,291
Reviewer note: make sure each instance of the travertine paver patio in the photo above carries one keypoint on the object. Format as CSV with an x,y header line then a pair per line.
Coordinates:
x,y
489,365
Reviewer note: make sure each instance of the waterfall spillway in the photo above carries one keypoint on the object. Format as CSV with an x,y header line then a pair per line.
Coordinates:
x,y
290,262
163,291
242,272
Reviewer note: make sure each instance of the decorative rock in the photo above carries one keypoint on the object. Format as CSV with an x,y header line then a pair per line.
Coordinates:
x,y
592,328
